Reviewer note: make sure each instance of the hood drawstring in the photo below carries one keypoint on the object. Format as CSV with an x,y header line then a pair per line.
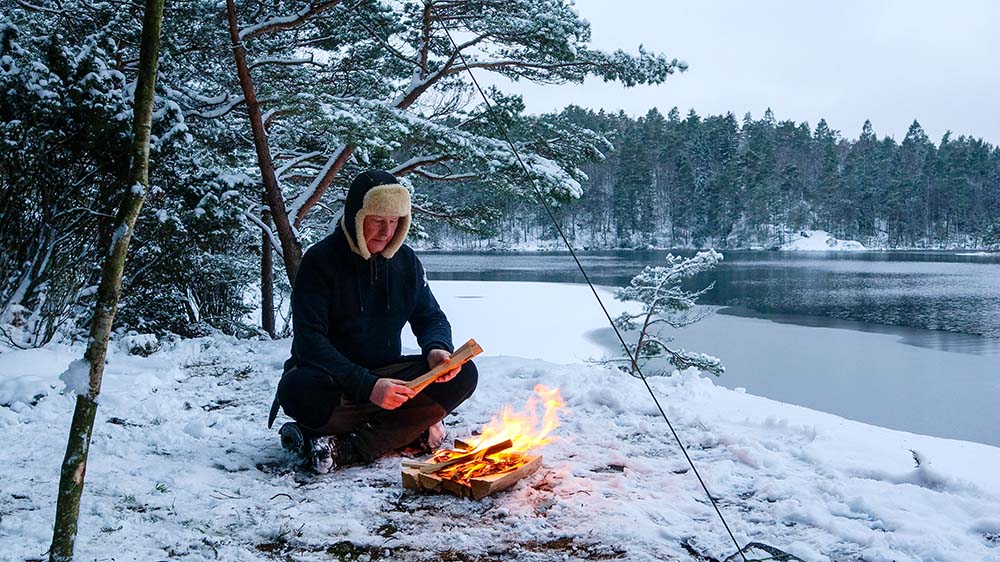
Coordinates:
x,y
373,275
357,281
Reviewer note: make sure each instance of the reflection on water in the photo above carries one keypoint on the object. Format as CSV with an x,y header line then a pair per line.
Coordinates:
x,y
940,300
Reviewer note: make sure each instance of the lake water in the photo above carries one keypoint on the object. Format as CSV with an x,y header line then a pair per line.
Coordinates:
x,y
942,300
906,340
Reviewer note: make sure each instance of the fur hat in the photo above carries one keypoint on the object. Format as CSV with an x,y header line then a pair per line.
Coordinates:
x,y
375,192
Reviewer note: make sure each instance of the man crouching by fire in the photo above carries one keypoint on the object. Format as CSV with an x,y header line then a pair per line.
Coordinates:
x,y
354,292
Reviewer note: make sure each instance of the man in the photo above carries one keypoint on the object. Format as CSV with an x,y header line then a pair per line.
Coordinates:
x,y
354,292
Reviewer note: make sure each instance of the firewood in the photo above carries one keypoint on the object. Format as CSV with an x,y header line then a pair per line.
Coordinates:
x,y
430,467
461,356
485,485
429,481
476,488
411,479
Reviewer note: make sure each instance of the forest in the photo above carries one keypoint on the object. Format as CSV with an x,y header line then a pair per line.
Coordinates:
x,y
718,181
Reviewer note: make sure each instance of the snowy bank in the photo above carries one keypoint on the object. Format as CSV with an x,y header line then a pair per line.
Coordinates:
x,y
182,466
820,241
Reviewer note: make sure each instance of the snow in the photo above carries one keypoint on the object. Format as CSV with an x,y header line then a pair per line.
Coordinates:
x,y
117,235
820,241
182,466
76,377
28,373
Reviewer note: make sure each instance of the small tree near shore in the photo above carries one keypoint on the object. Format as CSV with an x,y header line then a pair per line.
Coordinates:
x,y
665,304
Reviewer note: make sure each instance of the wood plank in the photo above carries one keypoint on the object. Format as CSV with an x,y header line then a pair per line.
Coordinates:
x,y
411,479
457,488
461,356
429,481
486,485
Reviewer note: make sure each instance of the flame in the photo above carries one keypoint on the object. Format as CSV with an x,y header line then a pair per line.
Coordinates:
x,y
525,429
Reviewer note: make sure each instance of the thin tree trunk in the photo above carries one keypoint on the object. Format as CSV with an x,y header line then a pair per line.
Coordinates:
x,y
291,251
75,462
267,280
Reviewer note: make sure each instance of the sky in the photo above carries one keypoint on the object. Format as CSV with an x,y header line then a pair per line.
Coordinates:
x,y
889,61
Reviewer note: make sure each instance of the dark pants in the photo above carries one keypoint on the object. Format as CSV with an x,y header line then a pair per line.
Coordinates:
x,y
311,398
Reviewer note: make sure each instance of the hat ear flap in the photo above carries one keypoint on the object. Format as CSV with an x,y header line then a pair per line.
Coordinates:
x,y
361,246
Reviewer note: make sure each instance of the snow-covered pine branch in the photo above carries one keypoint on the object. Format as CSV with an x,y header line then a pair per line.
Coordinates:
x,y
292,21
297,161
283,61
223,108
267,230
416,162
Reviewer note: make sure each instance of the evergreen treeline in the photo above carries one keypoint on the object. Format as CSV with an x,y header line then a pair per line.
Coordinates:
x,y
723,182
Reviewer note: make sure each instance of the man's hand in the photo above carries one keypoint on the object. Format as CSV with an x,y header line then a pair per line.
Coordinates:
x,y
390,393
437,356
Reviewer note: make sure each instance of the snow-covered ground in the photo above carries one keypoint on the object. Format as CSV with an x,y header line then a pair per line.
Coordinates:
x,y
820,241
182,466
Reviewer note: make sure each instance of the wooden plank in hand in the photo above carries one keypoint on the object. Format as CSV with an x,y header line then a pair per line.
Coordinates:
x,y
461,356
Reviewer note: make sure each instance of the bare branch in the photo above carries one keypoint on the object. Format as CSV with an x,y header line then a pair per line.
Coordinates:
x,y
60,13
309,196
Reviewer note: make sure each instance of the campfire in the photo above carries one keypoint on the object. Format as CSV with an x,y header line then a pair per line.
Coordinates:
x,y
505,451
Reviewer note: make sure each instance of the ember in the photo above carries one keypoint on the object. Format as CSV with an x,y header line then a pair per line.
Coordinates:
x,y
498,457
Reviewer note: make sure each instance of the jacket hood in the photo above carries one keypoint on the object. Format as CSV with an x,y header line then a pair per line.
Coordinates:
x,y
375,192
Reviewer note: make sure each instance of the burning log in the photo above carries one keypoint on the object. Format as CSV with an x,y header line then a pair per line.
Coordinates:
x,y
475,488
431,467
460,357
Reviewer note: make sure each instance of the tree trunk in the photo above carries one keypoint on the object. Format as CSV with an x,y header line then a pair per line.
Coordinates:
x,y
75,462
267,280
291,251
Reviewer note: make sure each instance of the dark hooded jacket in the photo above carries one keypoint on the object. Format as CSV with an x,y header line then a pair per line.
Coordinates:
x,y
348,311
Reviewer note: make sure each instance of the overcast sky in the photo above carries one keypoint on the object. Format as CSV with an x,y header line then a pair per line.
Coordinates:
x,y
888,61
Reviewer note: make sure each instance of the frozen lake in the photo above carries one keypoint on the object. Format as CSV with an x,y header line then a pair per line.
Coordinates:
x,y
943,300
825,355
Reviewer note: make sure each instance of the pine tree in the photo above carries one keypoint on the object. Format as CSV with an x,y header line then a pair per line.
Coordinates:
x,y
665,304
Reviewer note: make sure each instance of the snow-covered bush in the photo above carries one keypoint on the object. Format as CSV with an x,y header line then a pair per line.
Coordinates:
x,y
135,343
64,131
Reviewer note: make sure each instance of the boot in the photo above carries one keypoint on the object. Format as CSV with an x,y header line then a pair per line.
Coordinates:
x,y
332,451
292,439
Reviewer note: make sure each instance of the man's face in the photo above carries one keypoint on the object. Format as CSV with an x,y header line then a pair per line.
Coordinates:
x,y
378,231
